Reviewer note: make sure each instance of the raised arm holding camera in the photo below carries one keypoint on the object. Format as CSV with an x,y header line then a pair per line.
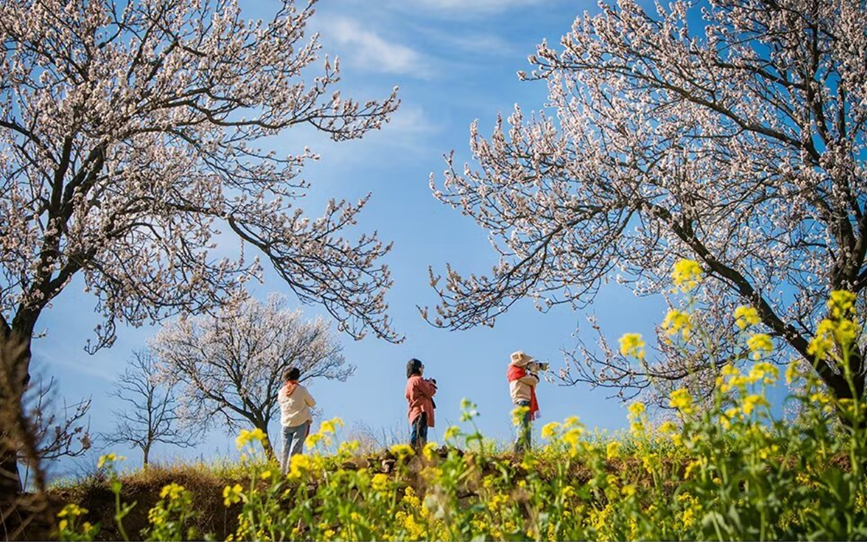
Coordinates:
x,y
523,377
419,396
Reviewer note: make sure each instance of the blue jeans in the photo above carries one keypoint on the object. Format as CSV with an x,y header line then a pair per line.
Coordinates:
x,y
522,443
293,442
418,432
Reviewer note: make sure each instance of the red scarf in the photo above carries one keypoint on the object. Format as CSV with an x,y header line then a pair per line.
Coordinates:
x,y
514,373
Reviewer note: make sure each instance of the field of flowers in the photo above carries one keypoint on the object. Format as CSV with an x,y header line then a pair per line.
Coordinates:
x,y
726,469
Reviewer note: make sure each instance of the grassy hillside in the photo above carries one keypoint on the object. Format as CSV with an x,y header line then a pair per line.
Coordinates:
x,y
725,469
728,471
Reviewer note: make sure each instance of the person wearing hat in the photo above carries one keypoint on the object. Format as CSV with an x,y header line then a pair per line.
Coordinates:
x,y
522,387
419,396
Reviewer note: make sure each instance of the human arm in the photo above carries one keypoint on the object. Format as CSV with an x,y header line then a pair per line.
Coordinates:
x,y
426,387
530,380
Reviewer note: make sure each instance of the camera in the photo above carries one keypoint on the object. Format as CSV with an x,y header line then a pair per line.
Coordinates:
x,y
536,366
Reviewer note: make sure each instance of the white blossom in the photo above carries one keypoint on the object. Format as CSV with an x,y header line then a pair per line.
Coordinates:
x,y
739,143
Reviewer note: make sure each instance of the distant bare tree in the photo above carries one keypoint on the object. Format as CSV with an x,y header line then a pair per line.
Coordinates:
x,y
153,414
231,364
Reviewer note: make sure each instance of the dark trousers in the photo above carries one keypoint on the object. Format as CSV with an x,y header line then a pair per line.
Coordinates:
x,y
418,431
523,441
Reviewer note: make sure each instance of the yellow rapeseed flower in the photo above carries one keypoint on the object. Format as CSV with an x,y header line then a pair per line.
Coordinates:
x,y
792,371
571,421
518,414
681,400
612,451
549,430
631,344
687,275
330,426
245,437
637,409
752,401
402,450
108,459
667,427
628,490
822,342
429,450
172,491
452,432
379,482
71,511
759,343
764,371
103,459
677,321
746,316
232,494
841,304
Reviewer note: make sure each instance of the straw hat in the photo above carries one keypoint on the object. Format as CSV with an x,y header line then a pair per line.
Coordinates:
x,y
520,359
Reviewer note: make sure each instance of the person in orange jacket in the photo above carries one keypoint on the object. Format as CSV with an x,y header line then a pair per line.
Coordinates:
x,y
419,396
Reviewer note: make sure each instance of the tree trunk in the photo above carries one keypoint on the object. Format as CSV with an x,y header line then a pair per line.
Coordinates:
x,y
266,442
14,376
15,434
147,453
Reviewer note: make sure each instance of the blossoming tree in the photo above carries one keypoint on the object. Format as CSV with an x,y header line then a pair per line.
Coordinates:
x,y
132,140
229,366
735,139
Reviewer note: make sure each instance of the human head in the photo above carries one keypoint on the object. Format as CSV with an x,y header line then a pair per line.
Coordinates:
x,y
520,359
414,367
292,373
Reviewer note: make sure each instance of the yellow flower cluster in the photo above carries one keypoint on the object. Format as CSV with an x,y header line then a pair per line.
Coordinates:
x,y
108,460
414,530
746,317
518,414
173,491
379,482
232,494
299,465
246,437
429,451
550,430
681,400
402,451
330,426
71,511
760,343
631,344
677,321
840,330
687,275
497,502
69,514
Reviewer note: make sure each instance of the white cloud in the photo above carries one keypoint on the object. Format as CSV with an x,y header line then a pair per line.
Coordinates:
x,y
411,120
475,6
369,50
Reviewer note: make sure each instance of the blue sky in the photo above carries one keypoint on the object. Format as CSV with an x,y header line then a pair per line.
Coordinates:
x,y
455,61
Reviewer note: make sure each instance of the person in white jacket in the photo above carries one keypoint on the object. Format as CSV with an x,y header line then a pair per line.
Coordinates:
x,y
295,417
